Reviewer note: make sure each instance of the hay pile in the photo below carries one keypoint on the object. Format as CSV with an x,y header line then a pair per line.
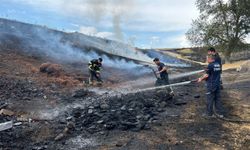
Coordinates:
x,y
51,69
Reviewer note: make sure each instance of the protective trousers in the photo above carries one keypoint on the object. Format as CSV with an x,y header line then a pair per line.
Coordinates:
x,y
92,75
214,100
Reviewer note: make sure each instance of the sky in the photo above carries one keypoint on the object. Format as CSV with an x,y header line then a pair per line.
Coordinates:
x,y
141,23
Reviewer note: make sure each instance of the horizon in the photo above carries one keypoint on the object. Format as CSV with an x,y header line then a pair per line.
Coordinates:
x,y
142,24
139,23
58,30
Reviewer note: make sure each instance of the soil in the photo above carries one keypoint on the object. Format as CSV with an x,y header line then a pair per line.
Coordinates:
x,y
61,112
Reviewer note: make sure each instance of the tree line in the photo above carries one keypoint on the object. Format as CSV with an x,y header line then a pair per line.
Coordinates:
x,y
224,24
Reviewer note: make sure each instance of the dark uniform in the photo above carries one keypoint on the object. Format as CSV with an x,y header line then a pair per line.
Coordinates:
x,y
94,70
163,75
218,60
213,88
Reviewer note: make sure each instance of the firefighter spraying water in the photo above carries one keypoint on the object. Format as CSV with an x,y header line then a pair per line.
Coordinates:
x,y
163,72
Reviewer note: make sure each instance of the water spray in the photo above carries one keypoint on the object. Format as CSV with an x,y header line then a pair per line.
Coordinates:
x,y
181,75
170,85
186,74
164,86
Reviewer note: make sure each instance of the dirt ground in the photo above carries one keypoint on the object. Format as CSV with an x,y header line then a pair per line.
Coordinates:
x,y
183,127
41,103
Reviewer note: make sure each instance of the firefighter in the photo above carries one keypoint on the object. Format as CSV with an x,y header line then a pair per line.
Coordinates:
x,y
212,77
212,51
163,71
95,66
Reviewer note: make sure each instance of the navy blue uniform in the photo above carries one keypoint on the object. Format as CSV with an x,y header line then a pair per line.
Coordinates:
x,y
213,88
218,60
163,75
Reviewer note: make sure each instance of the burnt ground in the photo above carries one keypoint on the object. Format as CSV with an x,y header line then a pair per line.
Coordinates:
x,y
63,113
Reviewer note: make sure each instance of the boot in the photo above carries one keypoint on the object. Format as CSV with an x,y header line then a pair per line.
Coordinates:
x,y
170,91
99,83
90,82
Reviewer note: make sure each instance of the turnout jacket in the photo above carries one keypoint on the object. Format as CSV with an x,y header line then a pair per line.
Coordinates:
x,y
94,65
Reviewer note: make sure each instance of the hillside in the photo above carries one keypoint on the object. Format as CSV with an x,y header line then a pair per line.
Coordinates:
x,y
53,108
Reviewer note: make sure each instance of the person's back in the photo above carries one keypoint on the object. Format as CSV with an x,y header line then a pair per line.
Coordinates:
x,y
218,58
214,71
94,61
94,70
212,78
94,65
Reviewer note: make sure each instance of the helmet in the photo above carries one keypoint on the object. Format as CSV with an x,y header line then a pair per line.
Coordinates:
x,y
100,59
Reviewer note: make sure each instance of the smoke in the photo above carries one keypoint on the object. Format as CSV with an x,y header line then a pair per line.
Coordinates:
x,y
118,10
41,41
97,9
78,48
117,27
54,46
132,40
168,60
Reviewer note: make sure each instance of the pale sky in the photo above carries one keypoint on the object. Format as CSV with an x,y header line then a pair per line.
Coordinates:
x,y
143,23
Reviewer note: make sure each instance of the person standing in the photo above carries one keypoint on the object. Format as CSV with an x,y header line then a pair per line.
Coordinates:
x,y
212,77
212,51
94,67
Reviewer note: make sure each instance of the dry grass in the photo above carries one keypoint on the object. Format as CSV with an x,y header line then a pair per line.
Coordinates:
x,y
179,56
234,65
186,51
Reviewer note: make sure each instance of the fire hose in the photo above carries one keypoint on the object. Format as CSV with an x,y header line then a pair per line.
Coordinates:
x,y
165,86
189,82
186,83
231,120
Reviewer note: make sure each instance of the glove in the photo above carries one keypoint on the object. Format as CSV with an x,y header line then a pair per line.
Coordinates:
x,y
199,80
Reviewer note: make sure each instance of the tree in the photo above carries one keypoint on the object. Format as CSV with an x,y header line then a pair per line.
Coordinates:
x,y
224,24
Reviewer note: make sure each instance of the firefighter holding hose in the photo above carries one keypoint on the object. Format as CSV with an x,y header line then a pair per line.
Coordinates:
x,y
163,71
213,78
94,67
212,51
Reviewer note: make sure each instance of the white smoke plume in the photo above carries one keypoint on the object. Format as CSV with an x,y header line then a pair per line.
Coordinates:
x,y
96,10
75,47
61,47
119,10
